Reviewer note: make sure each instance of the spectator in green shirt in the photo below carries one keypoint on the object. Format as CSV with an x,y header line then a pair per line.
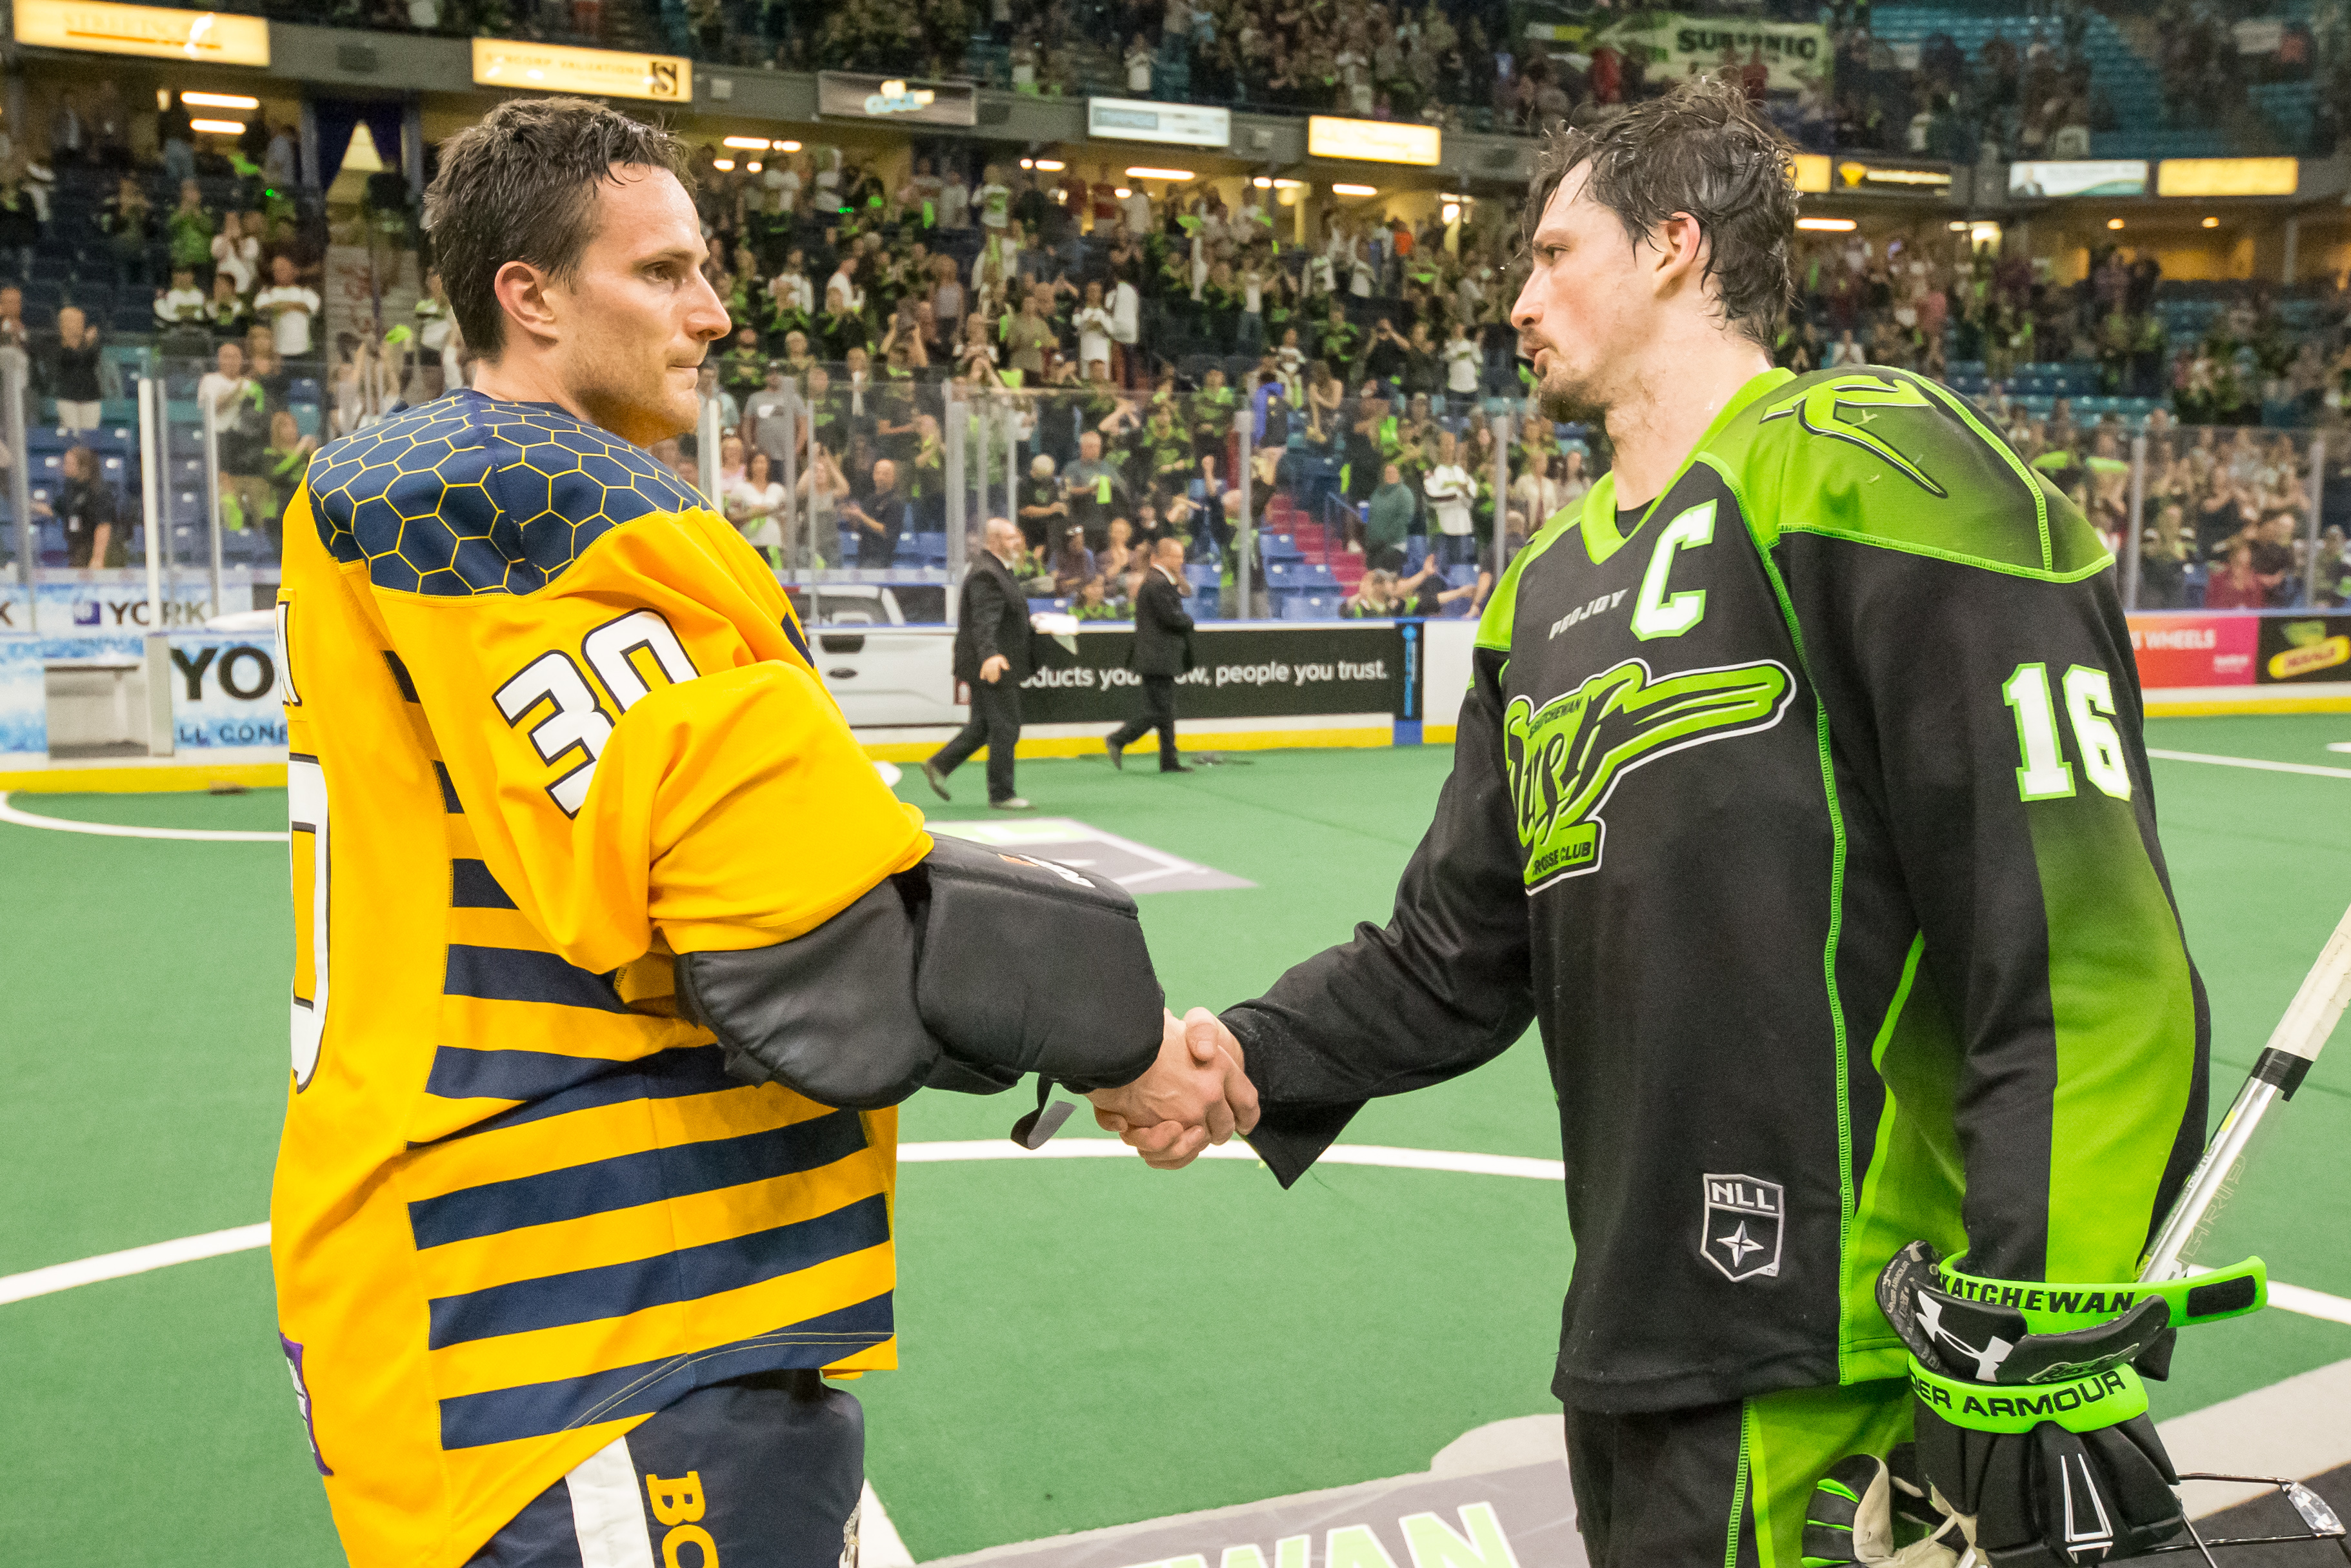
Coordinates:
x,y
189,230
1393,507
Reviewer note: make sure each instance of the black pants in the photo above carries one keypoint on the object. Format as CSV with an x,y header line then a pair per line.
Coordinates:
x,y
762,1473
996,724
1158,714
1705,1487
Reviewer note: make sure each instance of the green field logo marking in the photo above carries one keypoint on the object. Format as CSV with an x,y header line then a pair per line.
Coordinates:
x,y
1816,409
1566,757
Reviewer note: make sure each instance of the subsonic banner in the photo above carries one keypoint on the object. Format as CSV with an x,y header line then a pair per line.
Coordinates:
x,y
1671,44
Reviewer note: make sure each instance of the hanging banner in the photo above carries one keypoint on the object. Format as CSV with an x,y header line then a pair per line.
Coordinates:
x,y
1674,46
600,73
197,38
863,97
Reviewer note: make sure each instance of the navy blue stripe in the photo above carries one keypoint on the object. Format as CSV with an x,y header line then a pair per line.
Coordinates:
x,y
459,1073
520,974
400,676
448,791
689,1273
793,635
666,1076
626,1181
535,1409
471,887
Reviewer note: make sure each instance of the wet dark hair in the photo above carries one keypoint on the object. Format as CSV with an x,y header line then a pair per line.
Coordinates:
x,y
521,185
1700,149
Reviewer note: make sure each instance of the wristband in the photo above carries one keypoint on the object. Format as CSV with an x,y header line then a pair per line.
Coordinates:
x,y
2102,1399
2048,1307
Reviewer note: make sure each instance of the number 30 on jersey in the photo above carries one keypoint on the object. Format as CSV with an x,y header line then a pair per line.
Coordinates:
x,y
570,726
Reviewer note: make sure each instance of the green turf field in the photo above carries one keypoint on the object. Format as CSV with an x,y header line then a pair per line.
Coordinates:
x,y
1084,1342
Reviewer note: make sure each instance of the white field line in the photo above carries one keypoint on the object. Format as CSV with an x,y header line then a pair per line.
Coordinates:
x,y
2261,764
245,1237
115,830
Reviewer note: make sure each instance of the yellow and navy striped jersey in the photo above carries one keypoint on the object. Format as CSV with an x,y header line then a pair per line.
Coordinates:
x,y
552,722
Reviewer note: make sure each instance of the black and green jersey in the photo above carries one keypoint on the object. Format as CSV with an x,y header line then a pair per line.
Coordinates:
x,y
1806,811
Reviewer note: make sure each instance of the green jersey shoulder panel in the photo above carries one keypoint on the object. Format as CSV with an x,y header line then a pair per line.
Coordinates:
x,y
1881,456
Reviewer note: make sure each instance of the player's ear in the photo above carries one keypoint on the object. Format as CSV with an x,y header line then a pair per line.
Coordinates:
x,y
523,293
1677,246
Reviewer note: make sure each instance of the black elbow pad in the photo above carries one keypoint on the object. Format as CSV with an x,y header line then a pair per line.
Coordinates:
x,y
968,970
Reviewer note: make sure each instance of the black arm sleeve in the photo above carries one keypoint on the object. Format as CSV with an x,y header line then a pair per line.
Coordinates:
x,y
987,612
1993,722
1445,986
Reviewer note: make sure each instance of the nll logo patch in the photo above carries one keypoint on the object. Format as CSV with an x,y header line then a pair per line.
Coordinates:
x,y
1740,1233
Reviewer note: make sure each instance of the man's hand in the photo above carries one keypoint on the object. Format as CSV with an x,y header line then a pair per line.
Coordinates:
x,y
1194,1095
993,667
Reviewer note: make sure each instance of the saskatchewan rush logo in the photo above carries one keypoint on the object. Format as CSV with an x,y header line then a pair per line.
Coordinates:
x,y
1566,757
1816,409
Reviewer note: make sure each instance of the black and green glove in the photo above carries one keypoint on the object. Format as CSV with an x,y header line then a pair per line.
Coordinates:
x,y
2030,1416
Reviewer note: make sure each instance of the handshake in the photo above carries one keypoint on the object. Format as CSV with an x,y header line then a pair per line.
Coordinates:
x,y
1194,1095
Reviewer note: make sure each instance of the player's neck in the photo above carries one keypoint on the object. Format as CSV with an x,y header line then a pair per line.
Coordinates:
x,y
518,376
1669,397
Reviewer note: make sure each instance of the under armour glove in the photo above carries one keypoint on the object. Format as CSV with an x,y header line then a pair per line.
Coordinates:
x,y
2032,1418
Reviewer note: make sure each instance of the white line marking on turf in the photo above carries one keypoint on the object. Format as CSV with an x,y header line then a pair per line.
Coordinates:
x,y
878,1543
2309,1303
2259,764
245,1238
136,1261
116,830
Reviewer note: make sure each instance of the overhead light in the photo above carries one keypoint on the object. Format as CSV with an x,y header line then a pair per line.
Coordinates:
x,y
753,167
1280,184
1262,184
1028,163
1452,213
788,146
218,126
219,100
1121,193
2114,223
1828,225
722,164
1051,165
1176,175
748,143
1959,225
1355,190
2211,222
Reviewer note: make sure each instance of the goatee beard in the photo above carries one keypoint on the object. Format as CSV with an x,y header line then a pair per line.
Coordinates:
x,y
1562,401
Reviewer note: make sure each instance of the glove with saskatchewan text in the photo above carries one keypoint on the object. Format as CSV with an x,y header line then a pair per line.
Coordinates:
x,y
2030,1416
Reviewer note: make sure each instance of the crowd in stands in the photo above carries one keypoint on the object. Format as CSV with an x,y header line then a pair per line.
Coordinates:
x,y
1126,333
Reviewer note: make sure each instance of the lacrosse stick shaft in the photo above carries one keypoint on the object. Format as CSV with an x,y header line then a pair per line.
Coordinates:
x,y
2293,1046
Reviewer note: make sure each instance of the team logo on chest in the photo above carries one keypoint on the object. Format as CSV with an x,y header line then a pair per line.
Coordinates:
x,y
1740,1234
1565,757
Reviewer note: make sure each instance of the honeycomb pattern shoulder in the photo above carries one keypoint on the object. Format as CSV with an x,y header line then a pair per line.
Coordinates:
x,y
467,494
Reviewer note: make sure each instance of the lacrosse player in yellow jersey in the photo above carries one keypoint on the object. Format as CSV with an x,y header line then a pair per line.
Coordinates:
x,y
614,955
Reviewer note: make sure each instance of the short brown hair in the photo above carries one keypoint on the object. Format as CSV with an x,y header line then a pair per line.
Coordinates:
x,y
1700,149
521,185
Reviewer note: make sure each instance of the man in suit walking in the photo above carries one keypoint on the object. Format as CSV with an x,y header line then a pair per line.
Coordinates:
x,y
1163,650
991,656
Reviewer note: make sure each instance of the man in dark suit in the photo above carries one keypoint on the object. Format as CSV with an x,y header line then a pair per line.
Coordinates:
x,y
991,656
1163,650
